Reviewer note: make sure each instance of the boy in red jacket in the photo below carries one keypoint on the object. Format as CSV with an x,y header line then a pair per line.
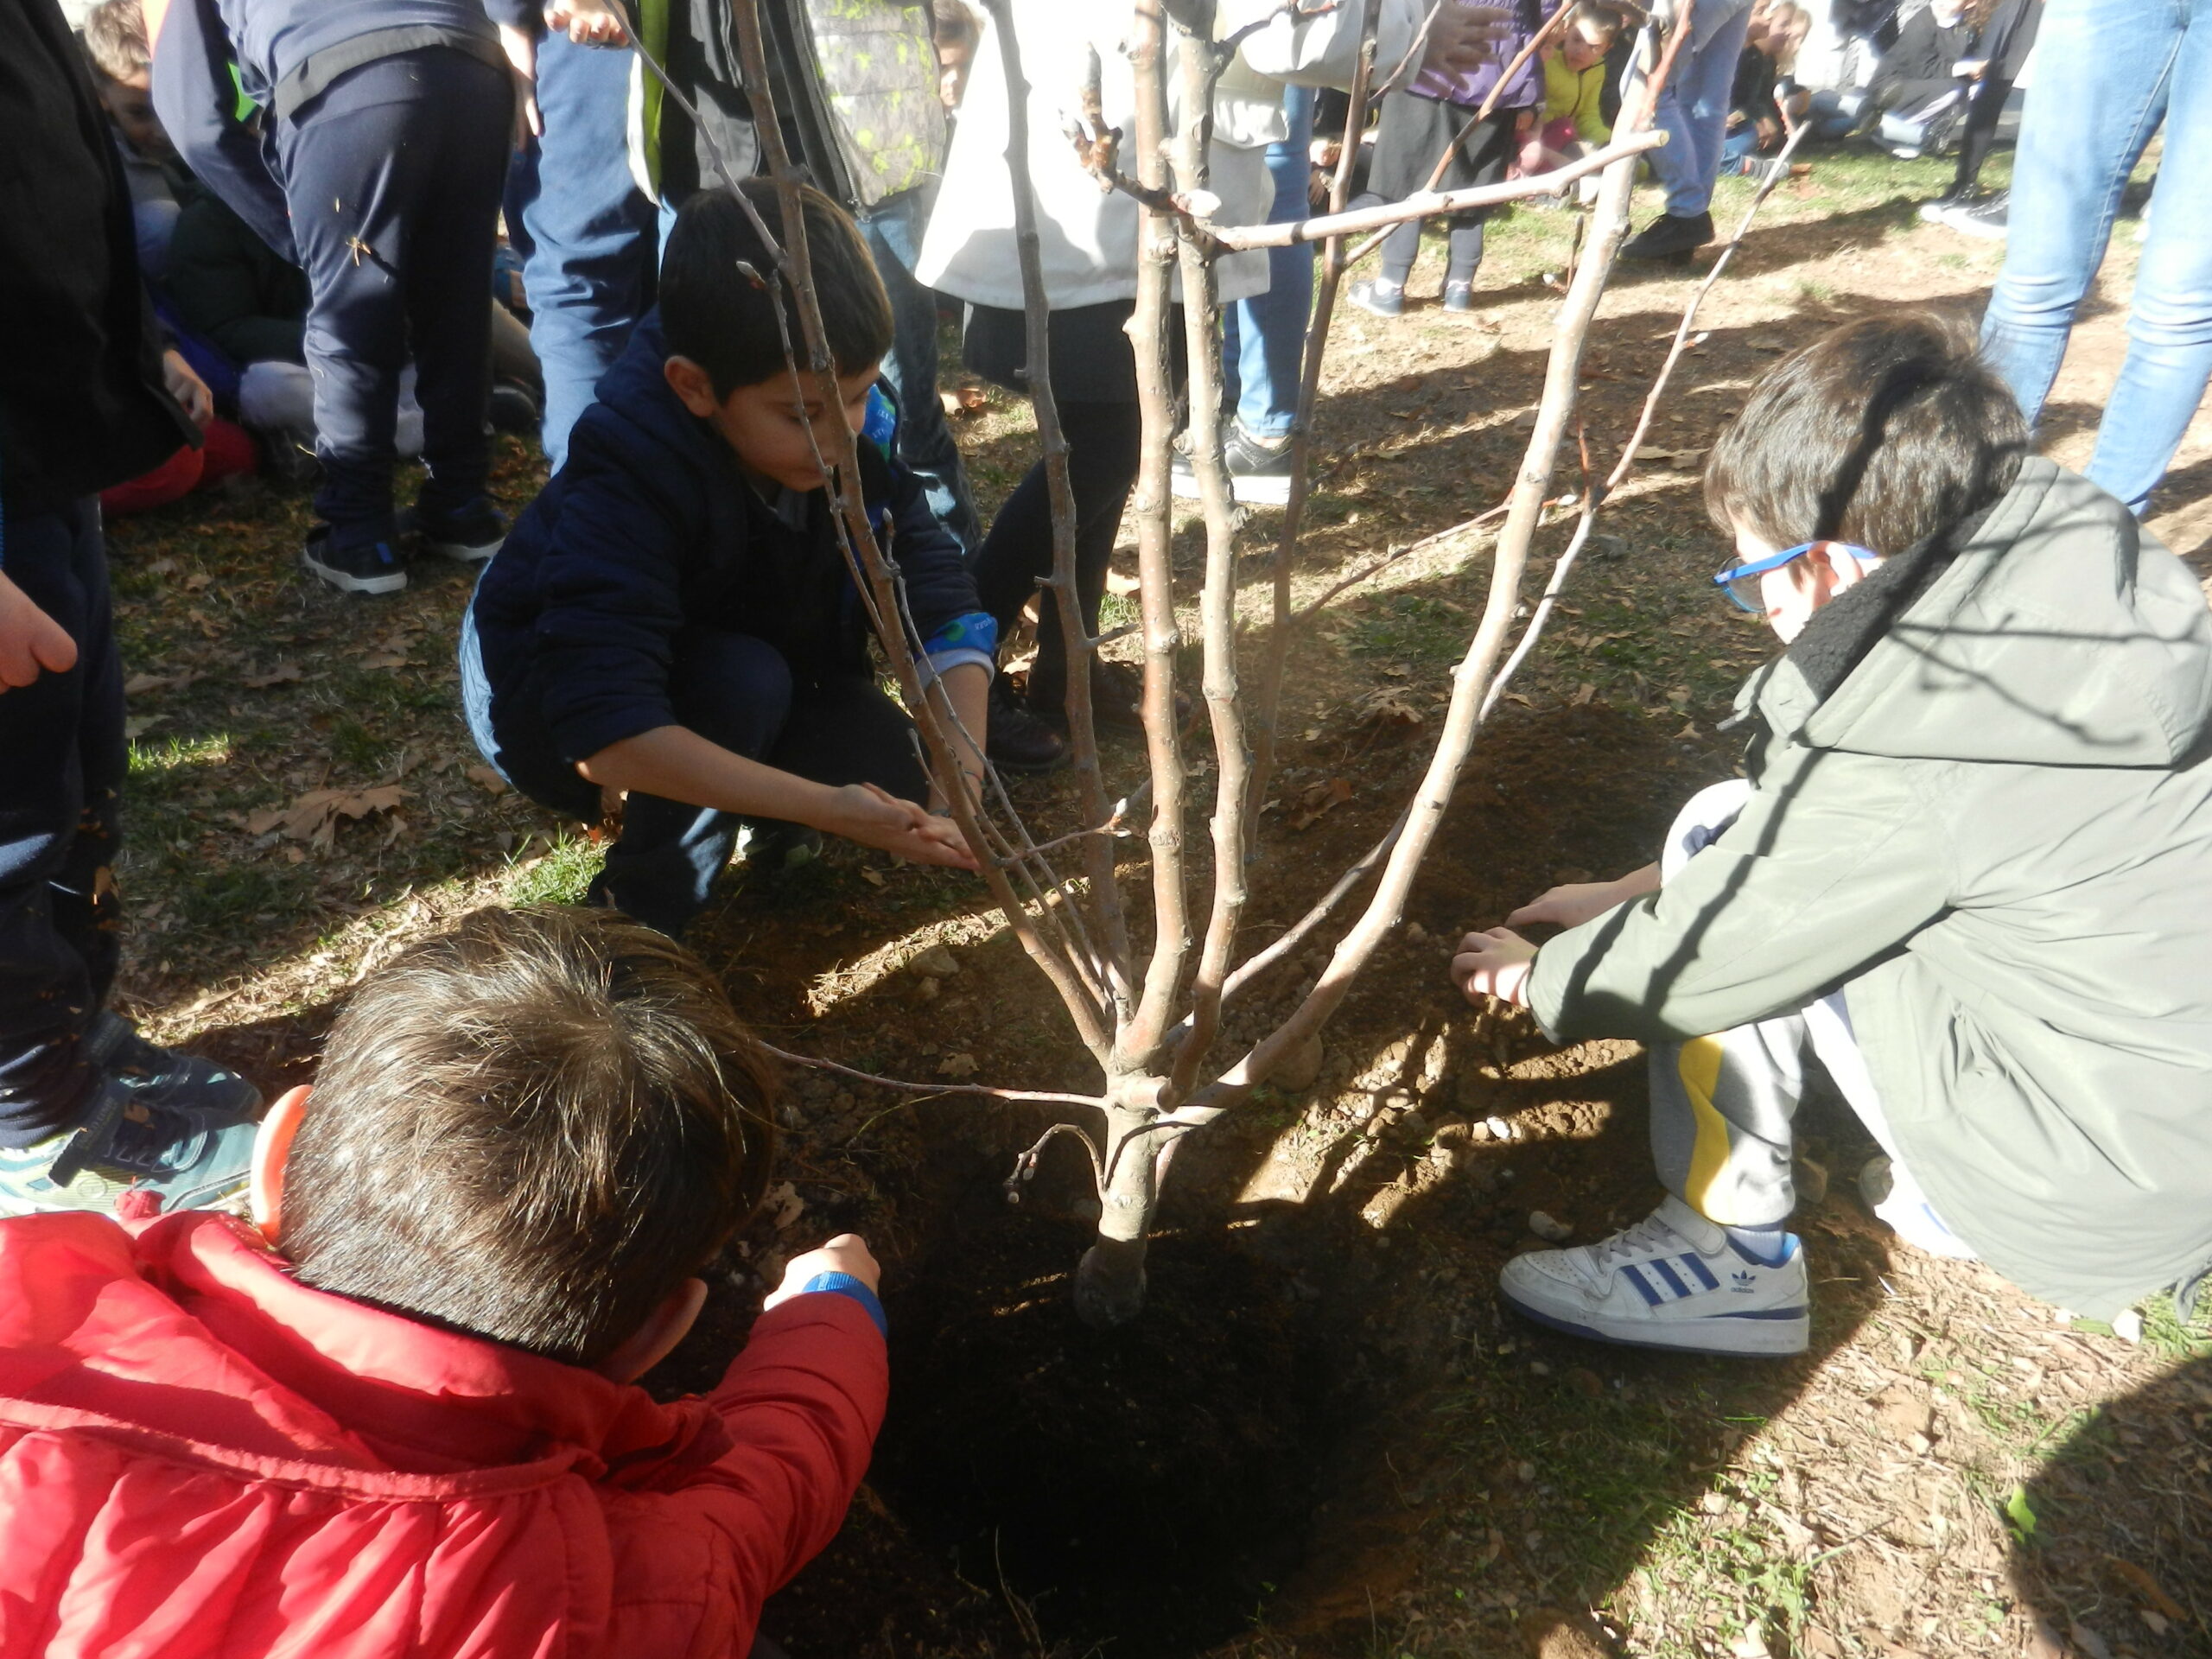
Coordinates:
x,y
399,1414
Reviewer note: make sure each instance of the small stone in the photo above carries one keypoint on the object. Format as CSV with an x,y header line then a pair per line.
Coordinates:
x,y
936,963
2128,1327
1550,1229
1499,1128
1297,1070
1811,1181
926,989
1416,934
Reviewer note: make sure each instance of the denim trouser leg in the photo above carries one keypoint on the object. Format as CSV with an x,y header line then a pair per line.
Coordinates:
x,y
1263,339
62,755
924,441
2105,72
1694,107
595,237
2170,322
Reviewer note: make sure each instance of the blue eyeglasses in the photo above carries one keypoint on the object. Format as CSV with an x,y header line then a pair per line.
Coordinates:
x,y
1742,583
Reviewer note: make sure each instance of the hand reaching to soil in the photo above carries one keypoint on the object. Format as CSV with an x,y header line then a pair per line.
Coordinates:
x,y
848,1253
1494,963
1577,902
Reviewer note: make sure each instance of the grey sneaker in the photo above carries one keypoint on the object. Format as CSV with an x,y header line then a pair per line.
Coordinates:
x,y
354,567
183,1158
1379,295
1259,472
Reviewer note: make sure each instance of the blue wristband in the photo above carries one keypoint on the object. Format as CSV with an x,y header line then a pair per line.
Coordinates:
x,y
843,1284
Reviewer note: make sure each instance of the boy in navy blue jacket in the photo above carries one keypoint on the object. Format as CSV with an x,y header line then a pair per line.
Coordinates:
x,y
673,617
375,165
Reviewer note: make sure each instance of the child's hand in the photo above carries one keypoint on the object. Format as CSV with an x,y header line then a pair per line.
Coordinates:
x,y
877,818
848,1253
1569,905
189,389
589,22
1496,962
31,642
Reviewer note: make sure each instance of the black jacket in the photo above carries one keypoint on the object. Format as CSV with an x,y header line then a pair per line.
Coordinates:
x,y
1916,71
81,404
230,289
649,529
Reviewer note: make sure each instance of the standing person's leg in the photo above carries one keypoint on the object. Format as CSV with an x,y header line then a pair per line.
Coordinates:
x,y
86,1107
1271,326
346,157
1693,110
450,212
2102,72
925,440
595,236
2169,321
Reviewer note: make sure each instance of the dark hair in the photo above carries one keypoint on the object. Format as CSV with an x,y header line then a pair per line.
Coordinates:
x,y
725,321
1881,433
533,1129
115,39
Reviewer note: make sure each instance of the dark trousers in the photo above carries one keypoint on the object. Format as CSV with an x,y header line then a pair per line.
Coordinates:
x,y
1978,136
393,176
594,236
732,689
63,757
1104,440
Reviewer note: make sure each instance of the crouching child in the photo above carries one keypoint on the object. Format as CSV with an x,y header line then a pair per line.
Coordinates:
x,y
398,1414
673,618
1969,868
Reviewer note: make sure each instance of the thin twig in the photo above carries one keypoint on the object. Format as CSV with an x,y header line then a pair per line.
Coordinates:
x,y
1489,105
1047,1096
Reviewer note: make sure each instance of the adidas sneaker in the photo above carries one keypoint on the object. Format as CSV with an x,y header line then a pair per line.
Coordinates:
x,y
1674,1280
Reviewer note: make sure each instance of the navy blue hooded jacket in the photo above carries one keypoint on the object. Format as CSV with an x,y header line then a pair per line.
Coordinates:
x,y
651,530
273,42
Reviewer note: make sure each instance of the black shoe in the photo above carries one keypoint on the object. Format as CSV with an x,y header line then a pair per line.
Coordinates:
x,y
467,535
514,409
1116,697
1669,237
166,1076
1015,740
1987,219
1259,473
774,845
359,566
1379,295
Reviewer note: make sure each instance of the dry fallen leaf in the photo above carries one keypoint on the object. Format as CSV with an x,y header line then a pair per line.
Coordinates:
x,y
313,817
276,675
384,659
956,1065
1316,800
2138,1579
788,1203
487,779
142,682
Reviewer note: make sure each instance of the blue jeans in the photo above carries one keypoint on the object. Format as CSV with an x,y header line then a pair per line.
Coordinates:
x,y
732,689
1263,339
1694,107
924,441
592,252
2107,72
62,760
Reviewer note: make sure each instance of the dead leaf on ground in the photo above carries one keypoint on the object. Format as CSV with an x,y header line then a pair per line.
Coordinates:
x,y
313,817
140,684
1652,452
384,659
138,725
1768,343
487,779
956,1065
1316,800
2148,1588
789,1206
276,675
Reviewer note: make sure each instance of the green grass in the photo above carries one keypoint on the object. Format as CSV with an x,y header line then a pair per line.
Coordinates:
x,y
559,876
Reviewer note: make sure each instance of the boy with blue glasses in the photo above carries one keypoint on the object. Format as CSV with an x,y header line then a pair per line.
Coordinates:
x,y
1969,868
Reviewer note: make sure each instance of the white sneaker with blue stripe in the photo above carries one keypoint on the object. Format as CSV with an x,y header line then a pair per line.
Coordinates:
x,y
1674,1280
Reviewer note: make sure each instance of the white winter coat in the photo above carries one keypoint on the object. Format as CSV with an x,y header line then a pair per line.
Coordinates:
x,y
1088,237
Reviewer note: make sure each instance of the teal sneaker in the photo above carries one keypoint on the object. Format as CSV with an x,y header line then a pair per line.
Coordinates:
x,y
164,1076
181,1157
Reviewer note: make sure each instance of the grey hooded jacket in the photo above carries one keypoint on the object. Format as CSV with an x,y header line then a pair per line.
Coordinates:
x,y
1995,834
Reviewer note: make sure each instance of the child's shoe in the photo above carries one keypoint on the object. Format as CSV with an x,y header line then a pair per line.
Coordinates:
x,y
1015,740
1671,236
163,1075
1259,472
1379,295
1674,1280
1459,297
468,535
353,567
182,1157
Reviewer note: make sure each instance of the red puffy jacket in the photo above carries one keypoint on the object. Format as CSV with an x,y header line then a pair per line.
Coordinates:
x,y
200,1456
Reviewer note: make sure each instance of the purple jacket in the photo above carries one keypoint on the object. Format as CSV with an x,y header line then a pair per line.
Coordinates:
x,y
1526,89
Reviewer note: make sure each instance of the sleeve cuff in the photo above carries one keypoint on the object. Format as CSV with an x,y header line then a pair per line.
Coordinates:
x,y
843,1284
939,664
